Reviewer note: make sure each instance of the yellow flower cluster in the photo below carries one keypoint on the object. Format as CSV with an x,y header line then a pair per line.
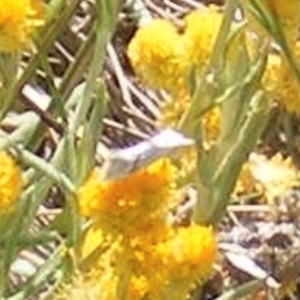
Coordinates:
x,y
131,214
163,57
10,182
18,20
267,178
189,254
201,29
164,268
275,175
184,257
155,54
120,203
132,233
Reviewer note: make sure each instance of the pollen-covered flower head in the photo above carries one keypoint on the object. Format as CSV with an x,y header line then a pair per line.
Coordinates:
x,y
276,175
155,53
183,257
190,253
18,20
121,204
200,32
10,182
163,57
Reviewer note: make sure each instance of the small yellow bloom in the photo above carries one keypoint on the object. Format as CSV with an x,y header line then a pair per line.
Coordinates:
x,y
155,54
183,258
189,254
10,181
121,204
275,175
163,58
18,20
201,29
157,268
267,177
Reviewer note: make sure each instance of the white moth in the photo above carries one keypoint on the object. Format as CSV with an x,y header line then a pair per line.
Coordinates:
x,y
121,162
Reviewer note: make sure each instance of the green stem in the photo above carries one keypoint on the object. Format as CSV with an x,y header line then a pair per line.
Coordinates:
x,y
214,193
105,27
58,177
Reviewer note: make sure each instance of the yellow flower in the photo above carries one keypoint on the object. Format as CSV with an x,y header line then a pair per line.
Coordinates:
x,y
276,175
267,177
183,257
163,58
155,54
155,269
18,20
201,29
10,181
281,83
189,254
130,256
123,204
